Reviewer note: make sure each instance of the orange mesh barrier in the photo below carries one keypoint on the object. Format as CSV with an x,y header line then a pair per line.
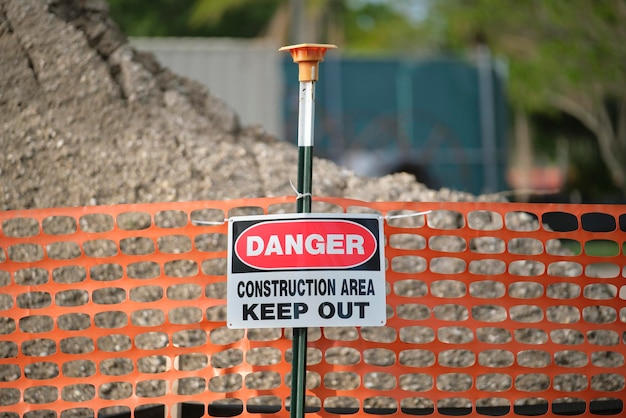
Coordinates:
x,y
119,309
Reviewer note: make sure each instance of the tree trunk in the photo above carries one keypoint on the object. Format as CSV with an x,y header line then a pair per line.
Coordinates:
x,y
523,159
611,141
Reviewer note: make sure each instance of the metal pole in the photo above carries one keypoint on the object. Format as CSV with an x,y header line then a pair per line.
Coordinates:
x,y
306,125
306,115
308,57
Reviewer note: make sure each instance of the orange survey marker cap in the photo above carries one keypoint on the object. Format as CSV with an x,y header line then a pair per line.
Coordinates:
x,y
308,57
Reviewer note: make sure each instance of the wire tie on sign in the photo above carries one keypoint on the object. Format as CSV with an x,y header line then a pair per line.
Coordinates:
x,y
407,215
198,222
298,194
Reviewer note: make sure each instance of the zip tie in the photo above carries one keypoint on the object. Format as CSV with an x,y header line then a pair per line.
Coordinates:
x,y
301,195
298,194
199,222
407,215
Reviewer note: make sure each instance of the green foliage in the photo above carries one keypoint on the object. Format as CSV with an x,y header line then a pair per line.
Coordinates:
x,y
376,28
318,12
366,27
174,18
563,56
212,11
551,45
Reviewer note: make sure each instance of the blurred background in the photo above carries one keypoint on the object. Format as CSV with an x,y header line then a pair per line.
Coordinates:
x,y
527,98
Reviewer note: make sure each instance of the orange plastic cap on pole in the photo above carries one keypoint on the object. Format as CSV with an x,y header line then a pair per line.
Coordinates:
x,y
308,57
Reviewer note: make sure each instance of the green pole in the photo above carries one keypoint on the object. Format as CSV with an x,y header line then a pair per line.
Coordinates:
x,y
308,57
305,181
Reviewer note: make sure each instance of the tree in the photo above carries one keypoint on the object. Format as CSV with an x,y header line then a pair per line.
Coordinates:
x,y
361,26
173,18
358,26
563,55
287,24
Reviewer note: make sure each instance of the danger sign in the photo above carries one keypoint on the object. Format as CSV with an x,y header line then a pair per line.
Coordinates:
x,y
304,270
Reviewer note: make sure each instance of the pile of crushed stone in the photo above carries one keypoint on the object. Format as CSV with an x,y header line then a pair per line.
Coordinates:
x,y
85,119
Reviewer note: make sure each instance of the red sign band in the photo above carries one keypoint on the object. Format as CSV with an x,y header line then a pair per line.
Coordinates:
x,y
305,244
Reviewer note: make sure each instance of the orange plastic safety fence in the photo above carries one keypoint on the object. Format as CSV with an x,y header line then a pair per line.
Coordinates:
x,y
118,309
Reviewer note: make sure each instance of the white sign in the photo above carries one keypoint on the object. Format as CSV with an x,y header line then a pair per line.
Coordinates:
x,y
306,270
